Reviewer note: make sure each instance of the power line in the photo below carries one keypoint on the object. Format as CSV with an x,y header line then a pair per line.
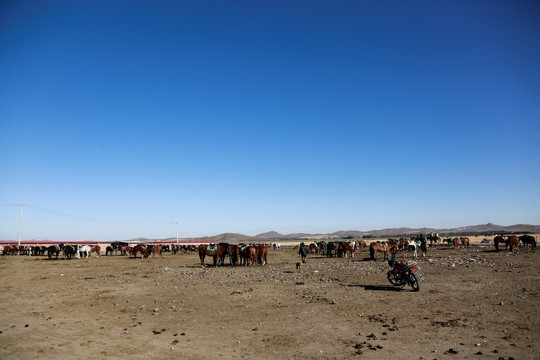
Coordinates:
x,y
87,218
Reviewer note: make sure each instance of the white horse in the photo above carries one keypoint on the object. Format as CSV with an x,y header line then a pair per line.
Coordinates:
x,y
84,251
411,245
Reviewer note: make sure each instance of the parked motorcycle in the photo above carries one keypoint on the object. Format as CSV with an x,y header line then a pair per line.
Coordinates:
x,y
403,273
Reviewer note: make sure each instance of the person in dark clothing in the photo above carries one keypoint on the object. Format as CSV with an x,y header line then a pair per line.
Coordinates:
x,y
303,251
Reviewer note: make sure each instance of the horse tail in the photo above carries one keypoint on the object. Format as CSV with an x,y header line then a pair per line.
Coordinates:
x,y
371,252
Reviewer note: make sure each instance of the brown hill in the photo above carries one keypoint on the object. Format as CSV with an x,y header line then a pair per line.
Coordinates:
x,y
270,235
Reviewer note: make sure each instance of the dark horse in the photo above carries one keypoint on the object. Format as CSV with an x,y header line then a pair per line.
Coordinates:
x,y
303,252
433,239
53,250
69,251
233,254
528,240
330,248
423,244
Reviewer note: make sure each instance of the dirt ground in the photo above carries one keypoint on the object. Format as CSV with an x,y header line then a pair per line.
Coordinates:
x,y
473,304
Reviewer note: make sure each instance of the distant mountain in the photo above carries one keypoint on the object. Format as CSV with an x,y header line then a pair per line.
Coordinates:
x,y
465,229
236,238
342,234
227,237
479,228
270,235
407,231
523,228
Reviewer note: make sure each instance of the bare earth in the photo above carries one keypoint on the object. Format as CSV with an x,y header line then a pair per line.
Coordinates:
x,y
473,304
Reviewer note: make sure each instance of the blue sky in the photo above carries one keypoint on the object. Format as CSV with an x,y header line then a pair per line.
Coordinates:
x,y
117,118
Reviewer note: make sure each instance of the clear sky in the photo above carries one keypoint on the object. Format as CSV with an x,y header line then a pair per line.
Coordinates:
x,y
120,117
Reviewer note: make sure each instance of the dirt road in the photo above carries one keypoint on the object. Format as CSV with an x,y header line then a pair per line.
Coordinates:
x,y
473,304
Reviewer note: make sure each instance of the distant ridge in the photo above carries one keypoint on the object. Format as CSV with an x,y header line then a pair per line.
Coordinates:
x,y
273,235
269,235
489,227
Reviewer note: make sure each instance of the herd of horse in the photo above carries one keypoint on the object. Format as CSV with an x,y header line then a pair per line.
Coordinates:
x,y
342,248
256,254
68,251
348,248
513,242
241,254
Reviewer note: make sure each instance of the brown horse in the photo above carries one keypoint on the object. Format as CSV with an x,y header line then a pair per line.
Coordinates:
x,y
96,249
233,254
262,255
153,250
222,252
208,250
136,249
513,242
464,241
124,250
383,247
248,254
345,248
402,243
499,240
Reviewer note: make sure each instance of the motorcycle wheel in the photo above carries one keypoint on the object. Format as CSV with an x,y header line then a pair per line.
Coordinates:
x,y
414,281
394,278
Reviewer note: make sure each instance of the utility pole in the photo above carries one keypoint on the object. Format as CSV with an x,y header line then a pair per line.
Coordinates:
x,y
176,222
20,224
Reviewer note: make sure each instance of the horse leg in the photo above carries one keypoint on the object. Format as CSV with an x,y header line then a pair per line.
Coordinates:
x,y
202,259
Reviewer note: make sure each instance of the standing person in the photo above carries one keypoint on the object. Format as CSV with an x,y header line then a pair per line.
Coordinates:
x,y
303,251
